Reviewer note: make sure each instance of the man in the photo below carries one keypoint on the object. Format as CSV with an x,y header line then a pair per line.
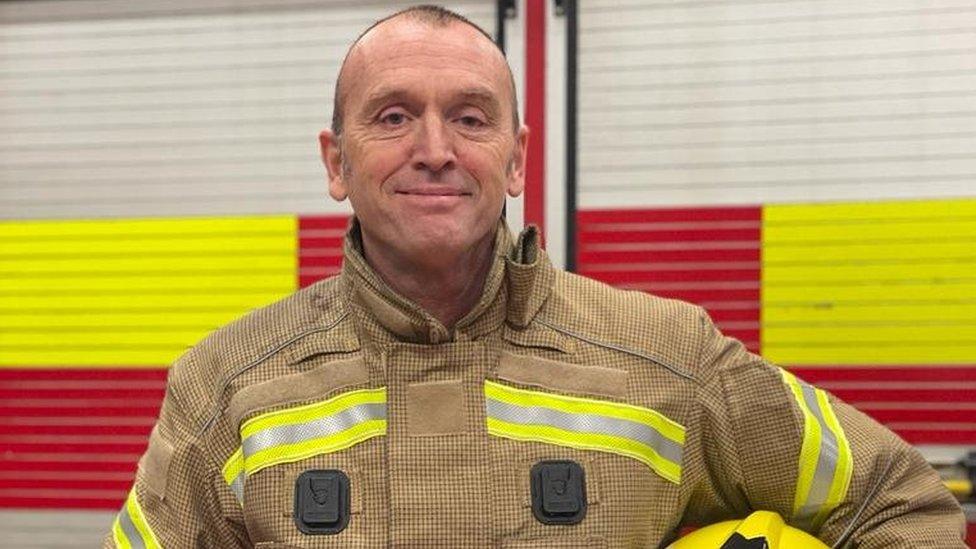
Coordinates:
x,y
452,389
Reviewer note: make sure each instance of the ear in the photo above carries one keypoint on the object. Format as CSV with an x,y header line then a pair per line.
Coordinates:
x,y
516,172
332,159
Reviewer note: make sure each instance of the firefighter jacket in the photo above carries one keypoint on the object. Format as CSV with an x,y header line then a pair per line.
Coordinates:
x,y
558,413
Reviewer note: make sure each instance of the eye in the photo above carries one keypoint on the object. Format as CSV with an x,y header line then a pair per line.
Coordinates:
x,y
393,118
472,121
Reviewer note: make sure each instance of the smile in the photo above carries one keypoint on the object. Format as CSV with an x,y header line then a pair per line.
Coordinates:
x,y
433,193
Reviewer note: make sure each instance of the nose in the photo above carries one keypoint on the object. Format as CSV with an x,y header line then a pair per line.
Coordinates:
x,y
434,145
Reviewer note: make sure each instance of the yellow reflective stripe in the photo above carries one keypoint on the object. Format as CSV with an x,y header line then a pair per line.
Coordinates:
x,y
825,464
233,473
287,453
587,441
574,405
587,424
312,411
234,466
810,448
293,434
133,528
845,464
121,542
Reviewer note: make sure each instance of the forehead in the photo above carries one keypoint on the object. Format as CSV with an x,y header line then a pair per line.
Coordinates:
x,y
417,55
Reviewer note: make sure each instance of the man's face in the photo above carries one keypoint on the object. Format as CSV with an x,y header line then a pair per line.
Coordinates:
x,y
428,150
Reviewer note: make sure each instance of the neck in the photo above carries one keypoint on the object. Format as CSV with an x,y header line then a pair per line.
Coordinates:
x,y
446,285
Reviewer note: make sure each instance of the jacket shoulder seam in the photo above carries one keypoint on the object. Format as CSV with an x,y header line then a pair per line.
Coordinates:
x,y
626,350
264,357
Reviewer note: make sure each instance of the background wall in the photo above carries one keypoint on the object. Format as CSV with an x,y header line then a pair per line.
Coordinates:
x,y
159,177
804,170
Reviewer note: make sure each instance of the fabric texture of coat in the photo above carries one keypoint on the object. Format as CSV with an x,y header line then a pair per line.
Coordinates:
x,y
438,430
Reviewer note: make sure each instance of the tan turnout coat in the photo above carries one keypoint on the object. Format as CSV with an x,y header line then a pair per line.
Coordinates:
x,y
433,475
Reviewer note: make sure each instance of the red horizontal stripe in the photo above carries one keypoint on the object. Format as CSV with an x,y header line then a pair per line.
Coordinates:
x,y
71,373
935,415
624,257
13,449
743,335
621,277
318,271
319,243
905,395
818,374
338,221
334,262
306,281
735,315
67,484
9,502
110,464
76,430
61,411
914,436
738,213
696,235
152,395
709,298
112,476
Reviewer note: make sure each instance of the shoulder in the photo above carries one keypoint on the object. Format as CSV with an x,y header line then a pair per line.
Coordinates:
x,y
201,379
666,331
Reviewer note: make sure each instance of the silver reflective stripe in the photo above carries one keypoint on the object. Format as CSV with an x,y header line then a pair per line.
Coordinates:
x,y
827,459
125,521
585,423
316,428
238,486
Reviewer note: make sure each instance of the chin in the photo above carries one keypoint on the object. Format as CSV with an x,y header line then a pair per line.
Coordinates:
x,y
430,236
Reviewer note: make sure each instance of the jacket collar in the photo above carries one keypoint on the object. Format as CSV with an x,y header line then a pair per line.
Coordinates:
x,y
518,283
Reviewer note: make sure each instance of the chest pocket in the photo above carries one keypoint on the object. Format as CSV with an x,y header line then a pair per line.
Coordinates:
x,y
305,440
630,456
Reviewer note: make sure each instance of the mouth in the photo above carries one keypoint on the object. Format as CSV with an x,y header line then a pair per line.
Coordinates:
x,y
432,192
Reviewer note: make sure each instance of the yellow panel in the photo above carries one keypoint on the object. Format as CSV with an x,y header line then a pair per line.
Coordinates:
x,y
77,358
169,285
99,336
96,303
925,249
134,292
960,334
902,290
916,232
156,246
846,212
870,283
171,264
846,315
866,356
49,323
149,228
871,272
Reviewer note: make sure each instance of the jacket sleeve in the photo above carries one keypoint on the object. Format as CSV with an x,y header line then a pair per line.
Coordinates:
x,y
179,498
773,442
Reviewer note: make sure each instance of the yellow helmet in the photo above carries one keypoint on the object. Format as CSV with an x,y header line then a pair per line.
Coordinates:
x,y
760,530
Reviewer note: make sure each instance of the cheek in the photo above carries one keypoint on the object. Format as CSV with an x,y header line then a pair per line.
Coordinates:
x,y
374,167
488,166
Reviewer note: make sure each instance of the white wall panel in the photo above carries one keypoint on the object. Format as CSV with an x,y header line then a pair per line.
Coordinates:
x,y
770,101
111,108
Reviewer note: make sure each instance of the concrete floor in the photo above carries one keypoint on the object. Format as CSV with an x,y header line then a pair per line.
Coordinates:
x,y
54,529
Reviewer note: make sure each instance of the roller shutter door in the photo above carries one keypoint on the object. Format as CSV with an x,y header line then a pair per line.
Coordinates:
x,y
129,109
807,172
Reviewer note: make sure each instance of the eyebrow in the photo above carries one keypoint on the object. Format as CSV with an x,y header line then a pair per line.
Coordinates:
x,y
477,95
